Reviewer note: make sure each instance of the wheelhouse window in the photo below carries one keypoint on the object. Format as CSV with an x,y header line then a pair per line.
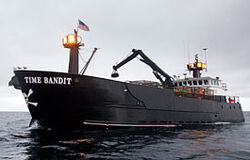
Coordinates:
x,y
175,84
195,82
206,82
190,83
211,82
180,83
200,82
217,83
185,83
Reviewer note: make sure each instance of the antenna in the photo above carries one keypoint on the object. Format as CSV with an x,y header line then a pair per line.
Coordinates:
x,y
184,52
188,52
205,49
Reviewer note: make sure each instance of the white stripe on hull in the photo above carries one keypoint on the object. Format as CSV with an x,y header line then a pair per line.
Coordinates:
x,y
125,125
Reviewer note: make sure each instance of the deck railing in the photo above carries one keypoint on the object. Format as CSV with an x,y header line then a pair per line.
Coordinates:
x,y
201,93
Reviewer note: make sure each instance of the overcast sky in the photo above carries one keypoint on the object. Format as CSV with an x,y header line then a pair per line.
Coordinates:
x,y
166,30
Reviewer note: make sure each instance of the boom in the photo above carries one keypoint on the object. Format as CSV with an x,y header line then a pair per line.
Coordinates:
x,y
157,71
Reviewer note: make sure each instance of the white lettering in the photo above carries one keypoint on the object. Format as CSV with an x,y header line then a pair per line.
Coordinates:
x,y
60,80
33,80
69,80
64,80
55,80
48,80
26,79
39,80
45,80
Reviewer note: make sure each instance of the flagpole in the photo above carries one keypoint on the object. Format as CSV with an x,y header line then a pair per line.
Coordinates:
x,y
77,25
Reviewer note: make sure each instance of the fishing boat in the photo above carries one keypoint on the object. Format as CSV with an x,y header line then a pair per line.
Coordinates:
x,y
68,99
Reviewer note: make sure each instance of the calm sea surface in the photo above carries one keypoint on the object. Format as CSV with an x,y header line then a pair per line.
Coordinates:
x,y
18,141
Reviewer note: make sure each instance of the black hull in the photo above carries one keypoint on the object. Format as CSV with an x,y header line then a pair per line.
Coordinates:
x,y
86,100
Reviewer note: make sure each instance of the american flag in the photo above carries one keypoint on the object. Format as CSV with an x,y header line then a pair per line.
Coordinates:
x,y
82,26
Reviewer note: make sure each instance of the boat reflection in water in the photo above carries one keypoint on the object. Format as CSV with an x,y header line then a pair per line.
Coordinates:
x,y
17,141
205,142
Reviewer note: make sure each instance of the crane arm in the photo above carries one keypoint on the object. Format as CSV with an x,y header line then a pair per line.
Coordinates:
x,y
129,58
157,71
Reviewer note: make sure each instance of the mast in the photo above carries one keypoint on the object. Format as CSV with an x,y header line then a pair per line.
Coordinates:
x,y
73,57
71,41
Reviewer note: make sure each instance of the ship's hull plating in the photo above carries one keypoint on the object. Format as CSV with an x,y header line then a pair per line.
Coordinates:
x,y
71,100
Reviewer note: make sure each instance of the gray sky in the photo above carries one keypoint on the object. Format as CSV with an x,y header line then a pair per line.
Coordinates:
x,y
166,30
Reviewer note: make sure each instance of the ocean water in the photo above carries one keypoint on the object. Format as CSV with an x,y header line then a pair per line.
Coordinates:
x,y
18,141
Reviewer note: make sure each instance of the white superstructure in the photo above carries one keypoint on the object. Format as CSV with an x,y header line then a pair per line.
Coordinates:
x,y
208,83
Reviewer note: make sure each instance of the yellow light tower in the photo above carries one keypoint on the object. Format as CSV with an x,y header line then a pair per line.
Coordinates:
x,y
71,41
196,67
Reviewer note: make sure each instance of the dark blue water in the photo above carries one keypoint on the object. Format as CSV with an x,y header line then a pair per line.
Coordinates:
x,y
18,141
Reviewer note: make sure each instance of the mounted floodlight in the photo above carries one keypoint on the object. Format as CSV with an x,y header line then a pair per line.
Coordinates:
x,y
190,66
199,65
203,65
70,41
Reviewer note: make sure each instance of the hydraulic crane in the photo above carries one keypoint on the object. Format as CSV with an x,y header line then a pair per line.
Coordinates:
x,y
157,71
